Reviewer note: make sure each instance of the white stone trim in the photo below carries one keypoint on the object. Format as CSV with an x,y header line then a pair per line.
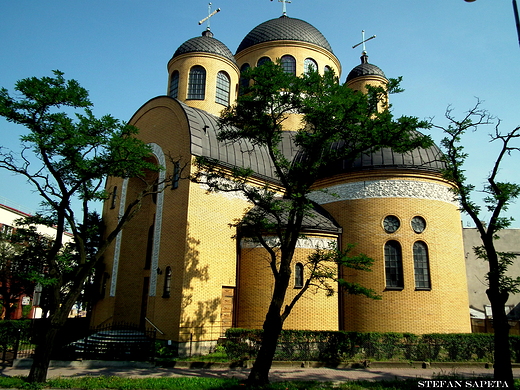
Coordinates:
x,y
157,151
384,189
117,249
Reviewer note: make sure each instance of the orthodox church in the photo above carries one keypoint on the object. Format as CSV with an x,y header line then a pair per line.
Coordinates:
x,y
179,267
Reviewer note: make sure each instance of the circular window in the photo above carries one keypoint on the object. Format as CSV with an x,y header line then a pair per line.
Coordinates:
x,y
391,223
418,224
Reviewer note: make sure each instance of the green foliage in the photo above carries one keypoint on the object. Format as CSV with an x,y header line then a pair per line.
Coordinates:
x,y
337,347
66,155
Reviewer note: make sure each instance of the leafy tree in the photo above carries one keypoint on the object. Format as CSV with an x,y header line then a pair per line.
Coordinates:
x,y
498,196
22,253
337,123
66,159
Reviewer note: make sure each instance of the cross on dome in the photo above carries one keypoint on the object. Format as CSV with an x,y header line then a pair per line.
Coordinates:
x,y
363,40
284,7
210,14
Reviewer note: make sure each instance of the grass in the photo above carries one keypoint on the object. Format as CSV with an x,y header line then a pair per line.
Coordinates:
x,y
185,383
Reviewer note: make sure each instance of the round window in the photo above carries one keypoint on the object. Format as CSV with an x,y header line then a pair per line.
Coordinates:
x,y
391,223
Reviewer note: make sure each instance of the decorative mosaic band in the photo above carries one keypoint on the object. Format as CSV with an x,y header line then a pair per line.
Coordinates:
x,y
384,189
303,243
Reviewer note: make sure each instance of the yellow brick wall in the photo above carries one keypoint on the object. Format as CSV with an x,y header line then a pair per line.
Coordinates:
x,y
313,311
444,308
210,259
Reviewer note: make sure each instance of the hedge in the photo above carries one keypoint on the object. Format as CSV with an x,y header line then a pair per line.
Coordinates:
x,y
335,347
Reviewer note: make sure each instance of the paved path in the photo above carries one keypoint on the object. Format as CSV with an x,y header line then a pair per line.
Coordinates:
x,y
277,373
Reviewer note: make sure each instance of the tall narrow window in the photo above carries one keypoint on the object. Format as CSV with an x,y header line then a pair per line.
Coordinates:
x,y
288,64
421,265
197,83
244,81
149,247
174,84
114,197
393,265
309,65
176,175
167,282
298,275
223,84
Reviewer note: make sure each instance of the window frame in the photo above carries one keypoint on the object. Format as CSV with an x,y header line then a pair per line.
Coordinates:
x,y
197,83
421,266
394,276
223,88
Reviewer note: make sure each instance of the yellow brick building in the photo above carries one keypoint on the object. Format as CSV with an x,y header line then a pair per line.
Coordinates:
x,y
181,268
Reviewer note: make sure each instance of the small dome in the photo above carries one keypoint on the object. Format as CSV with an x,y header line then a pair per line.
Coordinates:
x,y
205,44
284,28
365,69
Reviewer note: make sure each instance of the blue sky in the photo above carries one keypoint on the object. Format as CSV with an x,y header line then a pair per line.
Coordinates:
x,y
449,52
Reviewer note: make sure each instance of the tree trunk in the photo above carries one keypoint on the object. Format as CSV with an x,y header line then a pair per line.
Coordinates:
x,y
272,327
42,354
503,370
259,374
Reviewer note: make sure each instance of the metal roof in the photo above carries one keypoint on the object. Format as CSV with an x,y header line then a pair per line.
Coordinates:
x,y
284,28
205,44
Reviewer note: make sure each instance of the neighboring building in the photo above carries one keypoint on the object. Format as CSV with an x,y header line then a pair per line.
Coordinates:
x,y
477,270
178,266
9,214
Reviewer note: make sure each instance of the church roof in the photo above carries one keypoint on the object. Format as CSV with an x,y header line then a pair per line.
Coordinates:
x,y
204,129
205,44
316,219
365,69
428,159
284,28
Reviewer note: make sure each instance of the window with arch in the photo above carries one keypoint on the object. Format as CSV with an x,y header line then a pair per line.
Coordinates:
x,y
174,84
309,65
327,69
244,82
223,86
197,83
421,265
288,64
298,275
167,282
263,61
393,265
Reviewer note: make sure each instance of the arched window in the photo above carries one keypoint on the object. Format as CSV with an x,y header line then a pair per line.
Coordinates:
x,y
263,61
167,282
421,265
393,265
288,64
244,82
197,83
223,83
298,275
309,65
174,84
327,69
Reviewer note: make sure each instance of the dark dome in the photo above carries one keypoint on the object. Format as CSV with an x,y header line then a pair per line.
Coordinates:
x,y
365,69
284,28
429,159
205,44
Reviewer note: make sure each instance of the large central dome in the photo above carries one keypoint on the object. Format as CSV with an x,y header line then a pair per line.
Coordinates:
x,y
284,28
